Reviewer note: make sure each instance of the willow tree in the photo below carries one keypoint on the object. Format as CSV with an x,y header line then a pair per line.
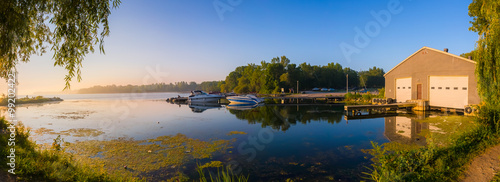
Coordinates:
x,y
71,28
486,22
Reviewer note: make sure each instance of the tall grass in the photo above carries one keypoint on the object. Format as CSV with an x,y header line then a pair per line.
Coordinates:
x,y
223,175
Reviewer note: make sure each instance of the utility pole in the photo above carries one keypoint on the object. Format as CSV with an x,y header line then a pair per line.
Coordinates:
x,y
297,86
347,84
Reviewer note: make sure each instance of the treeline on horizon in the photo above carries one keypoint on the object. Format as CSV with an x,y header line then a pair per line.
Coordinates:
x,y
266,78
270,77
212,86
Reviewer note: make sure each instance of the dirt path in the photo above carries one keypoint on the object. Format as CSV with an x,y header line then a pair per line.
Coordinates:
x,y
484,166
6,177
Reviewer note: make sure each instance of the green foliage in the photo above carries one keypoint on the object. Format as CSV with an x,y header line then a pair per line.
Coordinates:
x,y
374,77
76,27
282,118
33,164
368,96
490,116
434,162
466,55
270,77
486,22
223,175
381,93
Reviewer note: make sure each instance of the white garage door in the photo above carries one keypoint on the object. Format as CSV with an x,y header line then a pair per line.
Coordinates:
x,y
403,89
448,91
403,126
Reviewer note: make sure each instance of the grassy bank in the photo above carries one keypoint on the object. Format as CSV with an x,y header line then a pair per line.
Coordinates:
x,y
28,100
112,160
438,161
32,164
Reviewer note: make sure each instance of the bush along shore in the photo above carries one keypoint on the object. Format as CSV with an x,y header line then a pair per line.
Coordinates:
x,y
29,100
437,161
366,98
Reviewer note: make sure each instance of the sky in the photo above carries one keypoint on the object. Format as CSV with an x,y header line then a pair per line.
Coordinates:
x,y
204,40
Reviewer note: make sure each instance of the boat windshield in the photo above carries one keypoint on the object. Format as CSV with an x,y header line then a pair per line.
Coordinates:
x,y
198,92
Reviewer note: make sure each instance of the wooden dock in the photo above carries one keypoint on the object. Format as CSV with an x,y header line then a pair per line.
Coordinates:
x,y
356,109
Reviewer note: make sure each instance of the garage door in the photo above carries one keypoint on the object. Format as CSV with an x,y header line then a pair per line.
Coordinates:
x,y
403,89
448,91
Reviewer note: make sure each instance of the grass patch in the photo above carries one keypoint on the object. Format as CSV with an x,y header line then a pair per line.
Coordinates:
x,y
27,100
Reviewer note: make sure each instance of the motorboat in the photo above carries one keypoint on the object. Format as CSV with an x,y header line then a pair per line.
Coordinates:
x,y
200,96
245,99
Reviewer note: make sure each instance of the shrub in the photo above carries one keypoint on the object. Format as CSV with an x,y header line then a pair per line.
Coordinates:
x,y
368,96
381,93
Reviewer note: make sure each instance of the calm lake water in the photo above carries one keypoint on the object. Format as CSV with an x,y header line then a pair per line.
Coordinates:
x,y
312,142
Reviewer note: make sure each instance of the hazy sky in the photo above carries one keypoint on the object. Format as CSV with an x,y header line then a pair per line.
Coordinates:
x,y
203,40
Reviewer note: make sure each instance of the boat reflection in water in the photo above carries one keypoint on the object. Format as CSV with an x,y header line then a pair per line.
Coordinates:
x,y
203,106
243,107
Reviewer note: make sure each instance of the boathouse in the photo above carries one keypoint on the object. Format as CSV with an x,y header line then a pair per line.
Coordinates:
x,y
445,80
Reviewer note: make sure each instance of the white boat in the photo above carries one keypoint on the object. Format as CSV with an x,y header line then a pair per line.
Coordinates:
x,y
245,99
200,96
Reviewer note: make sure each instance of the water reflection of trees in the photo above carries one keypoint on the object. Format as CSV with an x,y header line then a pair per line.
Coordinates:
x,y
281,117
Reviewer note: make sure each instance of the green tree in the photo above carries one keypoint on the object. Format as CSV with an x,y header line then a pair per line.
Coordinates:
x,y
486,22
290,78
374,77
232,79
307,79
78,25
466,55
353,77
272,74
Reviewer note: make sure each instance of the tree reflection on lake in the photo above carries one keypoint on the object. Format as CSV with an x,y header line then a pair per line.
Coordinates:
x,y
281,117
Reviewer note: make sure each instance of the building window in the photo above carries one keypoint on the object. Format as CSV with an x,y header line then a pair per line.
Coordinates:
x,y
447,88
432,88
404,87
398,87
464,88
456,88
440,88
409,87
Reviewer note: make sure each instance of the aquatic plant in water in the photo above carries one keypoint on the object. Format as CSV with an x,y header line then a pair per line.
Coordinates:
x,y
132,158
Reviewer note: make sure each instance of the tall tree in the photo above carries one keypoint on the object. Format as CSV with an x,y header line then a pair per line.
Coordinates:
x,y
486,22
78,25
272,73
